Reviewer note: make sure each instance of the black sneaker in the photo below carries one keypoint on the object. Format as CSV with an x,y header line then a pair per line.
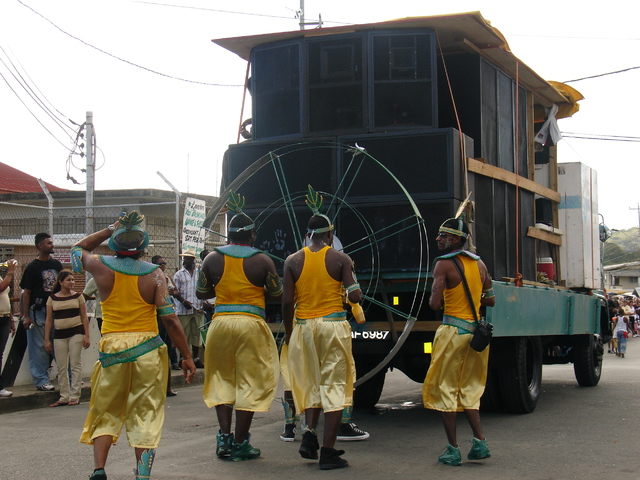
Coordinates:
x,y
330,459
310,446
289,433
349,432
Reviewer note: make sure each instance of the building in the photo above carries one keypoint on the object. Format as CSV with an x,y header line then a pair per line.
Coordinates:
x,y
622,278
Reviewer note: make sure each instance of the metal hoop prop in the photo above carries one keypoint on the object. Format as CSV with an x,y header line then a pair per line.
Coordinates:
x,y
365,235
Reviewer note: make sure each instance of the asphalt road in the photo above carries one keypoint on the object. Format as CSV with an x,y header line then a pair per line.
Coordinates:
x,y
581,433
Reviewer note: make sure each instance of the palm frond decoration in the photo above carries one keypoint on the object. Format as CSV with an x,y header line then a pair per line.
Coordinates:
x,y
130,220
314,200
235,202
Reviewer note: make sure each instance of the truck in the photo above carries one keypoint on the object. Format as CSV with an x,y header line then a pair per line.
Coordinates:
x,y
401,125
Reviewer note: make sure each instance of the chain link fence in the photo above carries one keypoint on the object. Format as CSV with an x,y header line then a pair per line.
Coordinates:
x,y
19,222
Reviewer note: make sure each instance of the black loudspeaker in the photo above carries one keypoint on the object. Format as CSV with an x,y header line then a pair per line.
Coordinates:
x,y
544,211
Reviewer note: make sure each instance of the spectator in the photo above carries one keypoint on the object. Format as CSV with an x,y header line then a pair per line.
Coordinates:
x,y
208,304
189,307
621,332
6,319
158,260
91,293
37,284
67,316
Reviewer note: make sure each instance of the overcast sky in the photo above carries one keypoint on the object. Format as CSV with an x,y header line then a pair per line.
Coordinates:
x,y
164,97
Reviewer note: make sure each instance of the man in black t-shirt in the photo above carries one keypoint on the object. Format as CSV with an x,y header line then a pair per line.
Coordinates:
x,y
37,284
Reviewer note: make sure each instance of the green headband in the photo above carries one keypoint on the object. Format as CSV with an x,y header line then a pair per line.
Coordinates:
x,y
453,231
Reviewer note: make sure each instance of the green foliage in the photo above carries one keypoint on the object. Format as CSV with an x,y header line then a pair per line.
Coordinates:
x,y
622,247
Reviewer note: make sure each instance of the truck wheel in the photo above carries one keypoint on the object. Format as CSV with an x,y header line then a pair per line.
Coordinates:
x,y
368,394
520,383
587,360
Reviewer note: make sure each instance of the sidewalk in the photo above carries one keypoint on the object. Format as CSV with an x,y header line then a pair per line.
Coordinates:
x,y
26,397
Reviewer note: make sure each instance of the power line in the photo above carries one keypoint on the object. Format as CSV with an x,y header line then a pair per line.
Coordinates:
x,y
124,60
34,116
250,14
601,75
216,10
610,138
43,95
27,88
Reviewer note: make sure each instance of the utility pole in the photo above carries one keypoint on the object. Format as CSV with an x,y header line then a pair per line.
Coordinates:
x,y
91,177
177,218
638,209
303,23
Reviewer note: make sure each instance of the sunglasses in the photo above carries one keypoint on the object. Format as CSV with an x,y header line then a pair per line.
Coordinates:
x,y
162,263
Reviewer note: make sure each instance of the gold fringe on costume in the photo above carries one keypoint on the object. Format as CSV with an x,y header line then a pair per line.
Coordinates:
x,y
321,364
457,375
130,394
241,363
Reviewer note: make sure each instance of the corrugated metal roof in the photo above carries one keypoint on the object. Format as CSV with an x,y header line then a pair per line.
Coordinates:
x,y
13,180
456,32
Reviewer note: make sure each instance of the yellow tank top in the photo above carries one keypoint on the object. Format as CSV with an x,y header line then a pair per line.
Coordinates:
x,y
235,294
125,310
319,295
455,299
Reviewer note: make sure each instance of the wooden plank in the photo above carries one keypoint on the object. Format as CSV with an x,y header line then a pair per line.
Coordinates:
x,y
541,234
369,326
481,168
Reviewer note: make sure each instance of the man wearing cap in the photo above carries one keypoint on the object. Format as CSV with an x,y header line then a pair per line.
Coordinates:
x,y
189,306
457,375
128,382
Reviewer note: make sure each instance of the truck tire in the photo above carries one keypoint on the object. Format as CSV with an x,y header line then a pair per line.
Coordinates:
x,y
587,360
521,382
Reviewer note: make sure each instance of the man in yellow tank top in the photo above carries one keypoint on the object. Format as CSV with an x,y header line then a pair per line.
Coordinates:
x,y
241,358
319,344
129,380
457,374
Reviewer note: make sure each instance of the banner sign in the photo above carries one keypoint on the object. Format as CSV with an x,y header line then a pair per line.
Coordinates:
x,y
192,231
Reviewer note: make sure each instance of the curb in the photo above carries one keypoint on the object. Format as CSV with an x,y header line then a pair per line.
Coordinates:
x,y
26,397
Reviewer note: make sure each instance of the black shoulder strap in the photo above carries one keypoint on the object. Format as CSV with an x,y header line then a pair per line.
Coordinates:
x,y
463,278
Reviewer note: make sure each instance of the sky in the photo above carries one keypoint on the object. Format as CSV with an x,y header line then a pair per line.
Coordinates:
x,y
165,98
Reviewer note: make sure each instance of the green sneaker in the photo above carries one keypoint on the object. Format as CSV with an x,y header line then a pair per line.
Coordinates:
x,y
98,474
244,451
451,456
223,444
479,450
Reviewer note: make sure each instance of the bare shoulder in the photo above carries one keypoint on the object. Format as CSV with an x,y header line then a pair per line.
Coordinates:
x,y
293,258
341,257
483,268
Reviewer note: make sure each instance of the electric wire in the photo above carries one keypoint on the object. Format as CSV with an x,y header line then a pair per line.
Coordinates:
x,y
65,117
33,114
601,75
20,80
125,60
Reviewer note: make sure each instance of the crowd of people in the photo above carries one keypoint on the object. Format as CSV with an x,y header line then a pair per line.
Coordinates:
x,y
145,314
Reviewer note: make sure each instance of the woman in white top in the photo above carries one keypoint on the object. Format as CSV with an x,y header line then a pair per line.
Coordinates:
x,y
621,328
